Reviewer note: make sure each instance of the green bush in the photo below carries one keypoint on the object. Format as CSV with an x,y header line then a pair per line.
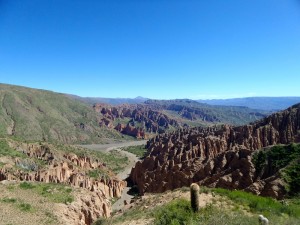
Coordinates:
x,y
176,212
292,177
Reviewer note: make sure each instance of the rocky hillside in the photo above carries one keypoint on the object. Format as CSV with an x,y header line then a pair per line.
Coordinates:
x,y
33,114
195,111
135,120
217,156
158,116
46,163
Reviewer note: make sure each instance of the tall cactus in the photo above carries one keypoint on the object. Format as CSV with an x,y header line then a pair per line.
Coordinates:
x,y
194,189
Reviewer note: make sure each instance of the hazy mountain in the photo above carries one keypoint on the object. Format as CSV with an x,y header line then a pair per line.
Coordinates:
x,y
264,103
34,114
110,101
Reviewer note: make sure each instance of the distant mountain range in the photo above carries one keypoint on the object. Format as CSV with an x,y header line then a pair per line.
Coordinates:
x,y
110,101
263,103
33,114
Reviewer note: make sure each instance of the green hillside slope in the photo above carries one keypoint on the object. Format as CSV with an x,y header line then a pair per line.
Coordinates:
x,y
33,114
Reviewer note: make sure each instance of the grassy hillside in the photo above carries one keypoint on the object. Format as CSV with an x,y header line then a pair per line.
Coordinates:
x,y
33,114
217,206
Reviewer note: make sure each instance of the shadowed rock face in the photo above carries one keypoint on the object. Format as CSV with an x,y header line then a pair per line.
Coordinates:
x,y
216,157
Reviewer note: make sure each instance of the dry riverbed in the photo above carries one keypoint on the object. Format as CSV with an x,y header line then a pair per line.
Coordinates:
x,y
132,159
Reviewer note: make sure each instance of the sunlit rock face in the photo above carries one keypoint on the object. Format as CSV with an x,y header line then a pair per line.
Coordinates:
x,y
216,156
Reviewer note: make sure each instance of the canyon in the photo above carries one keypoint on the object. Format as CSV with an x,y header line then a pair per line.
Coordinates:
x,y
154,117
218,156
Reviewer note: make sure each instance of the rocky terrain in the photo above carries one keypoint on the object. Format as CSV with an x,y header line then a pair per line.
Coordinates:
x,y
32,114
40,162
217,156
158,116
135,120
195,111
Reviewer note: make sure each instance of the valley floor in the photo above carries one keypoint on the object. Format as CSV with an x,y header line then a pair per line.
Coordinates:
x,y
132,159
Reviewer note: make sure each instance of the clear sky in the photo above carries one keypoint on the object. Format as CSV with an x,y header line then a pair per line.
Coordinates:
x,y
161,49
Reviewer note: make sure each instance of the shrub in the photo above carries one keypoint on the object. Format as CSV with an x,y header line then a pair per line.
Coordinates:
x,y
25,207
176,212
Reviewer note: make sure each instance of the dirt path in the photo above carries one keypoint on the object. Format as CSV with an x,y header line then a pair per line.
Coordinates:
x,y
119,205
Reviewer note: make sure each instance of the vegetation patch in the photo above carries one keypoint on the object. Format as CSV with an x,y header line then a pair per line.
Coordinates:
x,y
286,157
139,150
261,205
5,150
179,212
98,173
57,193
113,160
20,204
291,175
26,185
25,207
9,200
226,207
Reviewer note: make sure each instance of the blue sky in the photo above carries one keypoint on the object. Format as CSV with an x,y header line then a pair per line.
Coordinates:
x,y
153,48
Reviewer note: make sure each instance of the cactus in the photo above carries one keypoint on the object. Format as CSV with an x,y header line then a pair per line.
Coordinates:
x,y
194,188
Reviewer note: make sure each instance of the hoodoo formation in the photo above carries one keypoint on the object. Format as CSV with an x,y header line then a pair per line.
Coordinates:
x,y
141,119
70,169
216,156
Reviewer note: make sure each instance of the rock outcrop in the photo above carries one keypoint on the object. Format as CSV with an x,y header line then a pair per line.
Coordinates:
x,y
72,170
134,120
195,111
216,156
